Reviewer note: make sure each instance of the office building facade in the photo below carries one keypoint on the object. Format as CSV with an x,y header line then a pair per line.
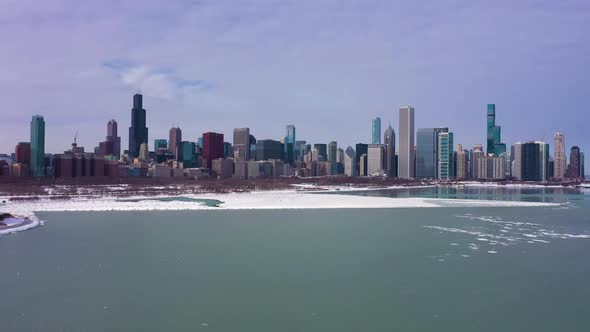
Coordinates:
x,y
406,143
376,131
138,132
37,158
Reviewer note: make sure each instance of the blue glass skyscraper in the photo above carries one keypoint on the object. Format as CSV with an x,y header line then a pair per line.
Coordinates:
x,y
494,141
427,151
376,139
38,146
446,165
290,144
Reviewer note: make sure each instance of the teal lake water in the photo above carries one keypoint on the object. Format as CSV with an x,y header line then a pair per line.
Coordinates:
x,y
429,269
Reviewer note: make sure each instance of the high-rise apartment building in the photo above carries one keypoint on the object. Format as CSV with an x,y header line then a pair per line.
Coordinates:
x,y
559,157
389,142
445,156
461,163
406,143
575,164
476,153
37,146
376,130
516,161
138,132
174,140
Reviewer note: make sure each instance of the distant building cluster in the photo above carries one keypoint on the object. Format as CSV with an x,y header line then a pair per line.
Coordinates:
x,y
428,153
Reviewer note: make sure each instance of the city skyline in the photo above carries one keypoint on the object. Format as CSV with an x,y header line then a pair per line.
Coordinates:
x,y
186,66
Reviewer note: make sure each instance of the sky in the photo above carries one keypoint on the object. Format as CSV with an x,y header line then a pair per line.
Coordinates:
x,y
326,66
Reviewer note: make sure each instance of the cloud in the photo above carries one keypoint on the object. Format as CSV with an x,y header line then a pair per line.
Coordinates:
x,y
156,82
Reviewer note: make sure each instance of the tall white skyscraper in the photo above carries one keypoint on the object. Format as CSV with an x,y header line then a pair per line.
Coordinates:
x,y
406,143
559,158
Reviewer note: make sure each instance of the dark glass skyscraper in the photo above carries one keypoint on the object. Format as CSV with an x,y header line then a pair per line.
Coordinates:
x,y
389,142
290,149
112,136
38,146
427,152
267,149
320,150
494,142
361,149
138,132
212,147
534,161
574,169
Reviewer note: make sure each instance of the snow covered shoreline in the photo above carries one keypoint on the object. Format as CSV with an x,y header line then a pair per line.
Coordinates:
x,y
239,201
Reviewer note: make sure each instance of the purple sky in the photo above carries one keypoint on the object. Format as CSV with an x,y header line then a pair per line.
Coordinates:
x,y
327,66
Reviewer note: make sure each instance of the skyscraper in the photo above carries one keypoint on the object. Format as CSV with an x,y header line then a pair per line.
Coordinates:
x,y
268,149
475,156
389,142
534,160
349,161
461,163
212,147
37,146
445,156
112,136
582,170
138,132
376,130
575,165
144,152
320,152
332,150
427,152
375,159
22,153
559,157
361,149
174,140
290,144
494,146
406,142
242,143
189,156
516,161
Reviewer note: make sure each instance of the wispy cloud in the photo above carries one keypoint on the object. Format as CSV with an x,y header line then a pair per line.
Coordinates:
x,y
155,82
